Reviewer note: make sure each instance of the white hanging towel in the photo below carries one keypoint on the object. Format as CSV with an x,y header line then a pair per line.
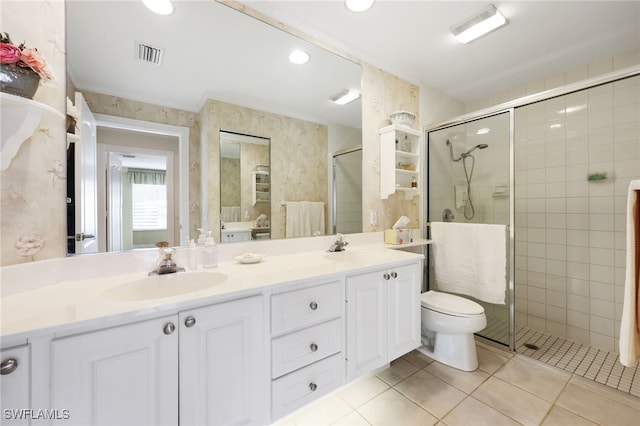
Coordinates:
x,y
630,324
314,217
294,221
470,259
230,214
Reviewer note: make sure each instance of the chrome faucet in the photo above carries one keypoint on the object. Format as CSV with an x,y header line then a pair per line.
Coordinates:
x,y
339,245
166,264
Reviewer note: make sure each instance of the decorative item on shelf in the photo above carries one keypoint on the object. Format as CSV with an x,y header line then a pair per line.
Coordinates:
x,y
72,117
21,68
414,182
402,118
410,167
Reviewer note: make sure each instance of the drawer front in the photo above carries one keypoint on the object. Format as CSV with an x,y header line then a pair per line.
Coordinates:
x,y
299,388
304,347
311,305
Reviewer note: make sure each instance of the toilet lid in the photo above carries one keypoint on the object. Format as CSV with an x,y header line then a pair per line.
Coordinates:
x,y
450,304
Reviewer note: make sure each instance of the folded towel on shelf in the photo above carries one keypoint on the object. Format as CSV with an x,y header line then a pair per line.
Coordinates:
x,y
630,323
470,259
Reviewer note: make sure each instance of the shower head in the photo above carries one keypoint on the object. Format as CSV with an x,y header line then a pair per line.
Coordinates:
x,y
479,146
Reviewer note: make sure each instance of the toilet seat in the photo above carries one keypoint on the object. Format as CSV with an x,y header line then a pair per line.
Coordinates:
x,y
450,304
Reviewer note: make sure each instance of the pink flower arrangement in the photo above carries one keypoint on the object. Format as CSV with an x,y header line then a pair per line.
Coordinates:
x,y
22,56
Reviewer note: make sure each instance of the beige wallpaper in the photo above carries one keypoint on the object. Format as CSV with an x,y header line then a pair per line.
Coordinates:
x,y
298,157
382,94
33,188
121,107
230,184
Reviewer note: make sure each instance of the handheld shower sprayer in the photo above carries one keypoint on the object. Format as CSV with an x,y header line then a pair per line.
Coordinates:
x,y
468,207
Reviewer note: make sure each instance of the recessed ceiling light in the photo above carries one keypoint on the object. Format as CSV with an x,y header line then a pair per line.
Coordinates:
x,y
344,97
358,5
161,7
483,131
487,20
299,57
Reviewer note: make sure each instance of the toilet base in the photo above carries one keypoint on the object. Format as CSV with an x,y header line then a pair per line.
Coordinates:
x,y
455,350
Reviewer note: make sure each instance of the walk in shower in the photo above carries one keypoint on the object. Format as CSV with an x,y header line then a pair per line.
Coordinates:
x,y
347,191
556,170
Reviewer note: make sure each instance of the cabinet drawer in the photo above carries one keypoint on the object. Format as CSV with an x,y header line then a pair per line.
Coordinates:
x,y
311,305
295,350
294,390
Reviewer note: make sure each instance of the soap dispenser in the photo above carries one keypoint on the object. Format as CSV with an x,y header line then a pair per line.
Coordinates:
x,y
209,253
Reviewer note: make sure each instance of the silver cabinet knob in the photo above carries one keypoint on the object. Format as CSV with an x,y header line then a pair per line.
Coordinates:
x,y
386,276
313,347
8,366
394,275
313,306
313,387
190,321
169,328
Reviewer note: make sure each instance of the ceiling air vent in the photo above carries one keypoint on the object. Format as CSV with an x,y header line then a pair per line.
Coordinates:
x,y
148,53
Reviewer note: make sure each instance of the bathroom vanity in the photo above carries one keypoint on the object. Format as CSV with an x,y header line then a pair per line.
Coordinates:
x,y
244,344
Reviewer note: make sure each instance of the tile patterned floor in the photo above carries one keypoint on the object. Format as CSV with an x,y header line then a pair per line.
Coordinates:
x,y
505,390
590,363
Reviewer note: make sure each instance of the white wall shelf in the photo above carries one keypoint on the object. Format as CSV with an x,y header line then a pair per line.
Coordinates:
x,y
399,160
20,117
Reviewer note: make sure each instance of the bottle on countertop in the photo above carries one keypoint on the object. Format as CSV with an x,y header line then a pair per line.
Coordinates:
x,y
209,253
192,254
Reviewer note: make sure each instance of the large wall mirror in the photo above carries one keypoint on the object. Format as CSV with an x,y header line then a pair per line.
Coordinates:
x,y
205,70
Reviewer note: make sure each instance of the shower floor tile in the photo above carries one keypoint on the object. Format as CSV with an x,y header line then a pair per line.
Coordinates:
x,y
593,364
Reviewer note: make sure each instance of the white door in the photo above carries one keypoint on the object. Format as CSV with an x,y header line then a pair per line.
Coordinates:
x,y
125,375
223,371
86,181
114,203
15,385
404,310
366,323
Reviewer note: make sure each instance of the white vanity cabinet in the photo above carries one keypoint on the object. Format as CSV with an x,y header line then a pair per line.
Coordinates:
x,y
120,375
15,382
383,317
223,376
400,149
307,346
201,366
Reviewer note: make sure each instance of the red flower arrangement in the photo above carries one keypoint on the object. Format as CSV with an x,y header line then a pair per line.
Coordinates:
x,y
23,56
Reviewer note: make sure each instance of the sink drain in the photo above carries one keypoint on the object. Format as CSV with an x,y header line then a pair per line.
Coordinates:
x,y
531,346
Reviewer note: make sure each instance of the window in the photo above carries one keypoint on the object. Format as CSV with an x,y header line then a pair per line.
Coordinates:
x,y
149,206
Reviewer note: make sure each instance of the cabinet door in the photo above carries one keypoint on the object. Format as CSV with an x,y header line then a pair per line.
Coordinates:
x,y
122,375
223,370
14,385
404,310
366,323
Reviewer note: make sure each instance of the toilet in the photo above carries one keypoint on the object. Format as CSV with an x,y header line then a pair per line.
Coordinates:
x,y
448,324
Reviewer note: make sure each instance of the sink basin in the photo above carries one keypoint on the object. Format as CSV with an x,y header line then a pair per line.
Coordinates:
x,y
163,286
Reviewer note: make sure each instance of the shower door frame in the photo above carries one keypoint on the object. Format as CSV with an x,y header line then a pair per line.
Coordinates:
x,y
511,107
511,298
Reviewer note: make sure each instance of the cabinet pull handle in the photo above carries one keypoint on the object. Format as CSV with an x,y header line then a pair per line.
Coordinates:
x,y
313,387
8,366
169,328
313,306
190,321
386,276
394,275
313,347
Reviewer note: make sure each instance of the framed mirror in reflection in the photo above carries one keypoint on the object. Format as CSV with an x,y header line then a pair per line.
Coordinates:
x,y
245,188
218,70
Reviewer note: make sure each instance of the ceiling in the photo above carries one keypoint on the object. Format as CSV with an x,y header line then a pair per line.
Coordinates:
x,y
412,40
214,51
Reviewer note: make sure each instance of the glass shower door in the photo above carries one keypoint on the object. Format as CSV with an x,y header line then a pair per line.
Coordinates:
x,y
469,181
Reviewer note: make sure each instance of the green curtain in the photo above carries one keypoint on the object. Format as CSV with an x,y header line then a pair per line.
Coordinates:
x,y
147,176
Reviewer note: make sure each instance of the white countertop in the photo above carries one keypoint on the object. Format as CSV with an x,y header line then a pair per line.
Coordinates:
x,y
72,303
